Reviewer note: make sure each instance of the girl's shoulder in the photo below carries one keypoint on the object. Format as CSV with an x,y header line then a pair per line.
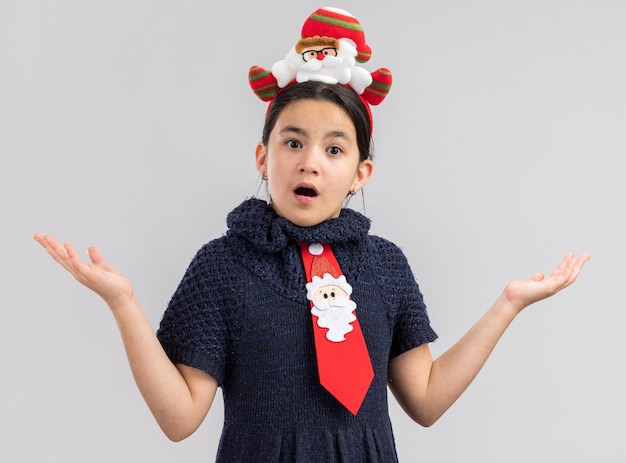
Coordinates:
x,y
389,259
385,248
383,243
213,257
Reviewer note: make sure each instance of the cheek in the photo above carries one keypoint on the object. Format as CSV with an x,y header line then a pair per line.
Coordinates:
x,y
343,178
276,173
271,167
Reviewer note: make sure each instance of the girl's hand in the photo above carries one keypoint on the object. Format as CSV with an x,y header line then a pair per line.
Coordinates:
x,y
521,294
96,275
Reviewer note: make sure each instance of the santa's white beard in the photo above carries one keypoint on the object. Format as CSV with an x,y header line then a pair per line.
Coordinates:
x,y
331,70
336,318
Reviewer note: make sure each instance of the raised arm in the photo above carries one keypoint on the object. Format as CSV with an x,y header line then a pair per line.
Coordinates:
x,y
178,396
425,389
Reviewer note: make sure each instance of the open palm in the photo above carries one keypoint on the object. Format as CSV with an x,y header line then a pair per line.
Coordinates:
x,y
523,293
96,275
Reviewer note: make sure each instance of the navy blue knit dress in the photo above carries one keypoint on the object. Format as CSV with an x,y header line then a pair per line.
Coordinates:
x,y
241,315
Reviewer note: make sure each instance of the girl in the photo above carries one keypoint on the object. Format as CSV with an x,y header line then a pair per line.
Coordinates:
x,y
248,313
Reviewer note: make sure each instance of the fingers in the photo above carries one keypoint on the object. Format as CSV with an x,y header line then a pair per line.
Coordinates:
x,y
536,277
69,250
98,260
578,265
95,255
75,263
569,269
58,252
48,242
565,266
65,254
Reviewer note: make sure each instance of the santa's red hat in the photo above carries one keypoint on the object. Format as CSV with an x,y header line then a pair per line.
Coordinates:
x,y
323,273
338,24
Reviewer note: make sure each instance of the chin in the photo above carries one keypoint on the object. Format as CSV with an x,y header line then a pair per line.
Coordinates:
x,y
305,221
305,216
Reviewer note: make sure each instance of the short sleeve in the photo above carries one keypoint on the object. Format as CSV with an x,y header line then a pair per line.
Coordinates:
x,y
411,325
194,328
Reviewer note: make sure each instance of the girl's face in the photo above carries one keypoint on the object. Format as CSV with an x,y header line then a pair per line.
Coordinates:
x,y
311,162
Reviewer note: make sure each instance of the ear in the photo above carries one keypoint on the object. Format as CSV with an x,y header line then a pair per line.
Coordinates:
x,y
363,174
261,159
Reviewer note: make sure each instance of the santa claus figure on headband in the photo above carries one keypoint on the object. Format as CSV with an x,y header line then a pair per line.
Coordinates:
x,y
331,45
325,59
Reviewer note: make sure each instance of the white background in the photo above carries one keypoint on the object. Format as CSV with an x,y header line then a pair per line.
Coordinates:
x,y
130,125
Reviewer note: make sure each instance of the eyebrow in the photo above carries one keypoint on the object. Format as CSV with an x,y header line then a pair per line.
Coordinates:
x,y
293,129
300,131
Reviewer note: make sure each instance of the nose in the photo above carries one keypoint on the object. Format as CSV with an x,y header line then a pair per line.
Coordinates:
x,y
320,55
309,162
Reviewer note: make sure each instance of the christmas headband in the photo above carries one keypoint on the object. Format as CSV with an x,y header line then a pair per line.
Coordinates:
x,y
332,42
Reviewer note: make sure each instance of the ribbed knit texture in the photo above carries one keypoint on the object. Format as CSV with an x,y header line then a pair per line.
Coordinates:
x,y
241,314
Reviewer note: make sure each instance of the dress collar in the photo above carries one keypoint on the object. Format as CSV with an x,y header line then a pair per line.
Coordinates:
x,y
256,221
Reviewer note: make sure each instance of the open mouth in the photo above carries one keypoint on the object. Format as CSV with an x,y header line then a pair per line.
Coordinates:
x,y
304,191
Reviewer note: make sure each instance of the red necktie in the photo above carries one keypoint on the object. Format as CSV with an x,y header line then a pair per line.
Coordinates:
x,y
344,365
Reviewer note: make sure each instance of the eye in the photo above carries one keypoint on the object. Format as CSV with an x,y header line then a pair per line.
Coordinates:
x,y
308,55
294,144
335,150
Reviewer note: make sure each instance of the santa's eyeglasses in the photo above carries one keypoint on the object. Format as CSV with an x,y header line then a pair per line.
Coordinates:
x,y
308,55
